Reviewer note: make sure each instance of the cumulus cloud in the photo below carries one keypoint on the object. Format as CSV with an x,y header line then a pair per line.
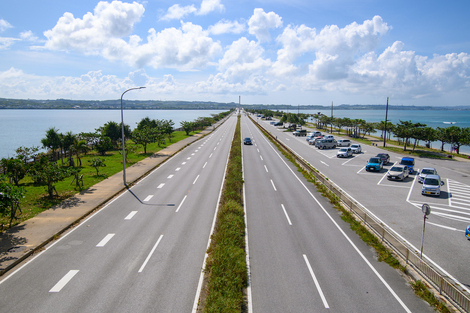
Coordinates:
x,y
225,27
207,6
28,36
4,25
261,22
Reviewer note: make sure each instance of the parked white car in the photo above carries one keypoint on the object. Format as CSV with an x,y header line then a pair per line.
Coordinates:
x,y
344,153
344,142
426,171
356,148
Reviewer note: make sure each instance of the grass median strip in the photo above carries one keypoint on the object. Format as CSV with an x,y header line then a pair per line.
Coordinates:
x,y
226,269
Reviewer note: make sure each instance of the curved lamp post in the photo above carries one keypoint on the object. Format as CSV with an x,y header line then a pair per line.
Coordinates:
x,y
122,130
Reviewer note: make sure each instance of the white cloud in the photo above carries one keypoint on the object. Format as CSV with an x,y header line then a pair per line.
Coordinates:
x,y
28,36
225,27
208,6
6,42
4,25
176,12
260,23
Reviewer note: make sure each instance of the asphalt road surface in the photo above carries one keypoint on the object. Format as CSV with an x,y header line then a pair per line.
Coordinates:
x,y
398,204
137,254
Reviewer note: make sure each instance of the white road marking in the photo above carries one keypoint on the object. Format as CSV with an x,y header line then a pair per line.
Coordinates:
x,y
324,163
215,148
177,169
170,176
188,158
446,227
150,254
210,156
266,169
261,157
58,287
322,296
161,186
183,163
131,215
204,165
193,153
285,212
181,204
195,179
273,185
105,240
148,198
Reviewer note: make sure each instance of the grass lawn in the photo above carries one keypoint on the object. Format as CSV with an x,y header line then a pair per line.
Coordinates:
x,y
37,199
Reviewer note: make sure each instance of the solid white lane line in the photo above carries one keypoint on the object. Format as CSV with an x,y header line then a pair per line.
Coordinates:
x,y
179,206
273,185
195,179
171,176
105,240
322,296
131,215
285,212
150,254
148,198
266,169
204,165
177,169
58,287
161,186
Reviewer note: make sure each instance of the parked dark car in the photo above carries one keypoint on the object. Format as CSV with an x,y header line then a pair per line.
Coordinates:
x,y
278,124
247,141
384,157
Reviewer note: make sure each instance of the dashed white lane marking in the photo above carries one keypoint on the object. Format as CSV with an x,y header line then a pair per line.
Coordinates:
x,y
148,198
195,179
273,185
266,169
105,240
170,176
161,186
177,169
58,287
131,215
287,216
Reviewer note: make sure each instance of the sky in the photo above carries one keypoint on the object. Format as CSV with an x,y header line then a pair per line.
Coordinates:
x,y
293,52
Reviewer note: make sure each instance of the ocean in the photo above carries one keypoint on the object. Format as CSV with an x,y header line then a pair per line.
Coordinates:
x,y
27,127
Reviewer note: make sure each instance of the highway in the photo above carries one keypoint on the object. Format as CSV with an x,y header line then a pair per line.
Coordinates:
x,y
303,257
398,204
138,254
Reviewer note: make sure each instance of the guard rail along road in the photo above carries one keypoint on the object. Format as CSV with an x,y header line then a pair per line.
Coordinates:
x,y
445,286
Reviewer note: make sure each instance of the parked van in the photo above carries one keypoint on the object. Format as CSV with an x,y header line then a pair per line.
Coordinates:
x,y
326,144
432,185
344,142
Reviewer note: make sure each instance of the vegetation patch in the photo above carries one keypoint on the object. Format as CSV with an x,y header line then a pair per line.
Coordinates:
x,y
423,292
226,268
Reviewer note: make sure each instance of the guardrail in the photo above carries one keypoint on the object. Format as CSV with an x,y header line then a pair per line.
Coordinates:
x,y
446,287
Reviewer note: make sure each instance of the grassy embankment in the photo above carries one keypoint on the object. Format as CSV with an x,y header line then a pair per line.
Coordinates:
x,y
36,199
383,254
226,269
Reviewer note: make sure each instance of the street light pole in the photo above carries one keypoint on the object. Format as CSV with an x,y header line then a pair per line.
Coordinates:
x,y
122,133
385,126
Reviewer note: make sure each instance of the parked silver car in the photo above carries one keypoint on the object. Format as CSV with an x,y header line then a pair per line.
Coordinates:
x,y
426,171
398,173
344,142
344,153
432,185
356,148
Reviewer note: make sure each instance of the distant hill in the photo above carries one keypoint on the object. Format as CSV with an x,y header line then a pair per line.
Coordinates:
x,y
191,105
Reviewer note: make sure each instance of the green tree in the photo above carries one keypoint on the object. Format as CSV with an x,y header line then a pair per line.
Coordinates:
x,y
52,139
27,153
144,136
77,147
14,168
146,122
10,197
103,145
187,126
167,128
97,163
48,174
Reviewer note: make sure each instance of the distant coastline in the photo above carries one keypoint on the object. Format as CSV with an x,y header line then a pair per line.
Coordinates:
x,y
66,104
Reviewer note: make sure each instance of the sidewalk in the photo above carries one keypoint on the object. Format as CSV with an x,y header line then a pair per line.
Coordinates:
x,y
21,241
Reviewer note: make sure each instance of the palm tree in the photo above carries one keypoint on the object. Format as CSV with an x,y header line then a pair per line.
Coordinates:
x,y
77,147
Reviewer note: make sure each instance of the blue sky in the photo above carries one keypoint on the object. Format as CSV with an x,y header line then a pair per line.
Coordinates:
x,y
269,52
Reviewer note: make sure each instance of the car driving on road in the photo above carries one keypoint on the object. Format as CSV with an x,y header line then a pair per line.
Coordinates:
x,y
432,185
344,153
426,171
247,141
374,164
356,148
398,173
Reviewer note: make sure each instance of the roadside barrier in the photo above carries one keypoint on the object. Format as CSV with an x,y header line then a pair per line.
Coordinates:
x,y
441,282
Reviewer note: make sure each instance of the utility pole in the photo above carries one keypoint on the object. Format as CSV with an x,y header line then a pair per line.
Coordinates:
x,y
385,126
331,125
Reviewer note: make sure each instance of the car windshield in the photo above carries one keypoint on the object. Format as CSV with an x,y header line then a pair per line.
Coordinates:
x,y
427,171
374,160
343,150
247,139
354,146
397,169
431,181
